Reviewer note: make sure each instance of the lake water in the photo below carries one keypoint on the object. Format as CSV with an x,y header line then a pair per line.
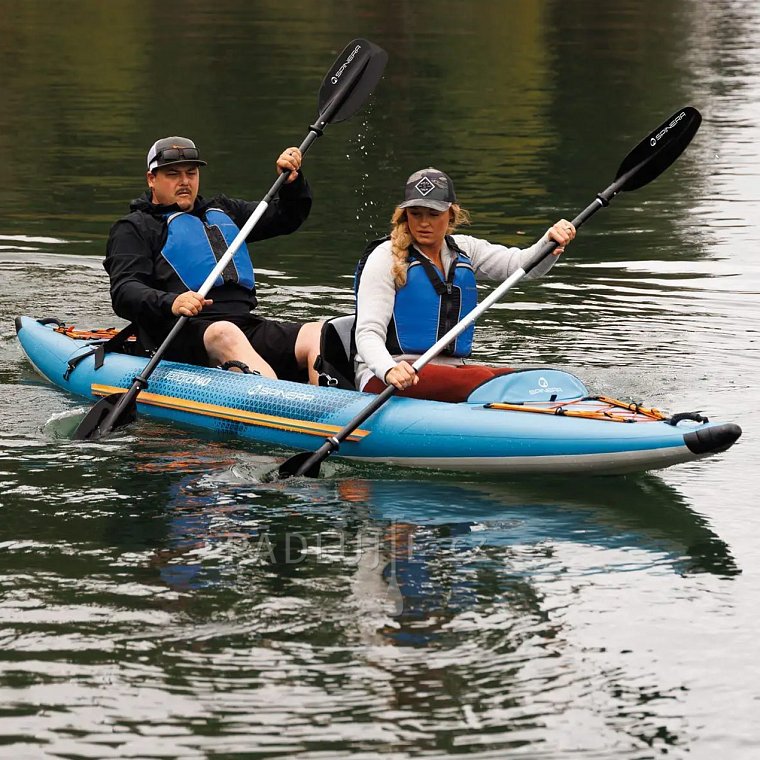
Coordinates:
x,y
160,598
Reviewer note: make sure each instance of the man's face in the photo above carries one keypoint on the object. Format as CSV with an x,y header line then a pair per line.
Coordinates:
x,y
178,184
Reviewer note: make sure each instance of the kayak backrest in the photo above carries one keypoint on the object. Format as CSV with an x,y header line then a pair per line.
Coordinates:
x,y
335,364
530,386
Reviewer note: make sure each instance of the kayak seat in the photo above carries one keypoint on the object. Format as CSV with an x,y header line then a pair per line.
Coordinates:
x,y
335,363
448,383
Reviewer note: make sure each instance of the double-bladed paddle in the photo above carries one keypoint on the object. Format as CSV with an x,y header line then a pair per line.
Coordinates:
x,y
348,83
655,153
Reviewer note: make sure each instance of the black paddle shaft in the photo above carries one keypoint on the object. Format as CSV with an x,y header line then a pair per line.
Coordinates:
x,y
307,462
655,153
352,77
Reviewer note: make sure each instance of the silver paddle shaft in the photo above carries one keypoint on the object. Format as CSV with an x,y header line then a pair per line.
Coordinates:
x,y
315,130
208,283
253,219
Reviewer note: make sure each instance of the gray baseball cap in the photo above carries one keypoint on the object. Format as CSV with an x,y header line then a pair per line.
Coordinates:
x,y
430,188
173,150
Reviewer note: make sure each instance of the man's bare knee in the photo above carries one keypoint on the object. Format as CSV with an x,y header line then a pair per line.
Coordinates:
x,y
307,342
307,348
220,338
225,341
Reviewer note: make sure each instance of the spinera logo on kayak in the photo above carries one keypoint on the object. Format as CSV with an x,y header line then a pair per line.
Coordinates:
x,y
281,394
340,71
186,378
544,387
653,141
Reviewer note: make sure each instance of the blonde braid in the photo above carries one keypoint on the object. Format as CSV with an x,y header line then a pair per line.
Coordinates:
x,y
401,239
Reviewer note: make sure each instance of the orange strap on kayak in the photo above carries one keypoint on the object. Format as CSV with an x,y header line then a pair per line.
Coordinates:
x,y
100,341
102,333
632,406
609,409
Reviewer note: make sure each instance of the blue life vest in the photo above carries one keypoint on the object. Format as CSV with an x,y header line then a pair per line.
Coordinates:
x,y
194,246
428,306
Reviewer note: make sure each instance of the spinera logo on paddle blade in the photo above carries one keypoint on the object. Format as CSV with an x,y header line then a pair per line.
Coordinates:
x,y
654,140
656,152
353,76
334,79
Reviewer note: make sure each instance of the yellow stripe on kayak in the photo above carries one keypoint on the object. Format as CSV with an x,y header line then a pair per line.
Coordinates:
x,y
228,413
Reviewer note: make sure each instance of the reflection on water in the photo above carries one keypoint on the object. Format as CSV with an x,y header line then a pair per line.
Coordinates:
x,y
173,576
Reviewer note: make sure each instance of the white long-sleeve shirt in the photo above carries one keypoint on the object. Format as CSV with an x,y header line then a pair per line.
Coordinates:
x,y
376,296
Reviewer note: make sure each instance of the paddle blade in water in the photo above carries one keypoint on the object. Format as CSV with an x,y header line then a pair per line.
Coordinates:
x,y
351,79
297,465
91,428
307,463
659,149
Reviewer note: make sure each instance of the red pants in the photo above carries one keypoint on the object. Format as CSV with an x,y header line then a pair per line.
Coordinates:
x,y
444,382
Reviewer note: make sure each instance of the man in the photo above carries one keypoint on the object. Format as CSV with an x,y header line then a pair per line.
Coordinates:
x,y
159,255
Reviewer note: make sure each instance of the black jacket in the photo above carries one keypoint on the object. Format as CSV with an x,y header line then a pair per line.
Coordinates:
x,y
144,285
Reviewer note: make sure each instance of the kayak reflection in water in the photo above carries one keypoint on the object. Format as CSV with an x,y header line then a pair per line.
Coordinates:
x,y
415,285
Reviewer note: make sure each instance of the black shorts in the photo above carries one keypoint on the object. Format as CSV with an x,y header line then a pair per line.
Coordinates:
x,y
274,341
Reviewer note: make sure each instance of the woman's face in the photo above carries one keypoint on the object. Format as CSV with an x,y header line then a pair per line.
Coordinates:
x,y
427,226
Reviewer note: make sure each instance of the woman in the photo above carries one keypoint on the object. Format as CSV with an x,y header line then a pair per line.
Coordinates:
x,y
416,285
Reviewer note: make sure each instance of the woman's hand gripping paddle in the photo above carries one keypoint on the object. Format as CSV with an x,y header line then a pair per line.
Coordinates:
x,y
655,153
346,86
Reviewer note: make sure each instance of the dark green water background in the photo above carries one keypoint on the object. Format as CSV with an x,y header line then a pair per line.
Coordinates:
x,y
159,599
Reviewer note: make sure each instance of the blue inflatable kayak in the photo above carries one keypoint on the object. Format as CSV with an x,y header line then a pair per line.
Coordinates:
x,y
529,421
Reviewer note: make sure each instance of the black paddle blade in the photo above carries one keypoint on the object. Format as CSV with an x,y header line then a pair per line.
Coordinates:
x,y
92,427
659,149
350,80
294,465
307,463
